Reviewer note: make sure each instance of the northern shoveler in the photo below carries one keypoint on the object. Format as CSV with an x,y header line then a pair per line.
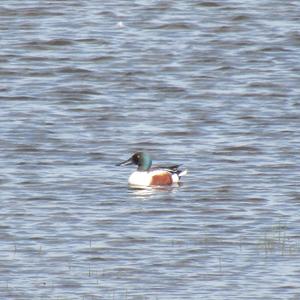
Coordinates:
x,y
147,176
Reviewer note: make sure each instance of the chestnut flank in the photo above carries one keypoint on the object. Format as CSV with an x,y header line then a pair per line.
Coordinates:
x,y
162,179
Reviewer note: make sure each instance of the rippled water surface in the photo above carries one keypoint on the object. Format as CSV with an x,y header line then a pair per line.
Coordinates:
x,y
211,84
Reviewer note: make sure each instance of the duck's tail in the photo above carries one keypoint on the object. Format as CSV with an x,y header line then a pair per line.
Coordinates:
x,y
177,174
182,173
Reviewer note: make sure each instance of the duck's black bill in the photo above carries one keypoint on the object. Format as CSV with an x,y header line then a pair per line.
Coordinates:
x,y
126,162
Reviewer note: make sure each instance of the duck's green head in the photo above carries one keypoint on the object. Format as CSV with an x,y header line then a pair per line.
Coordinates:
x,y
141,159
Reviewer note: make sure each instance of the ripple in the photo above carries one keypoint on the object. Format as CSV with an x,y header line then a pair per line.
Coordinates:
x,y
175,26
209,4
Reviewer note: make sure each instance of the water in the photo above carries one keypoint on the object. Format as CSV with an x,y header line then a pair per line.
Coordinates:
x,y
211,84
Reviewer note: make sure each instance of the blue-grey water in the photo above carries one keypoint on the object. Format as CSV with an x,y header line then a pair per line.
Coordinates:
x,y
212,84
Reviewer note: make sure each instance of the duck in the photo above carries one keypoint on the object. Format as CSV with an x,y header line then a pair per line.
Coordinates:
x,y
146,175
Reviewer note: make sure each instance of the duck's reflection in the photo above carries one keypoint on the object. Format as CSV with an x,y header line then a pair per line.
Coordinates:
x,y
148,191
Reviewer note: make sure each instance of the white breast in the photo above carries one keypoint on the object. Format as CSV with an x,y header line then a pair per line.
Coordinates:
x,y
140,178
